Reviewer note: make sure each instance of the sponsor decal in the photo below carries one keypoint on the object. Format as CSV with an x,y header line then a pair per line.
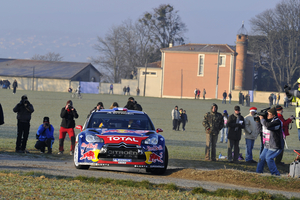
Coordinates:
x,y
117,152
156,166
90,155
153,157
154,148
121,160
89,145
125,139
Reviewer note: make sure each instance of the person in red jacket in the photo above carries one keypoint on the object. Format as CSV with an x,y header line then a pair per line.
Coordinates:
x,y
285,129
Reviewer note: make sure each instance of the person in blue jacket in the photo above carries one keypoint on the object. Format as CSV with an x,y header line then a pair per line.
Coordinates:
x,y
45,136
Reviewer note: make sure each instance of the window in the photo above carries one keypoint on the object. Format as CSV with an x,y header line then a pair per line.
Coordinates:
x,y
149,73
201,65
222,60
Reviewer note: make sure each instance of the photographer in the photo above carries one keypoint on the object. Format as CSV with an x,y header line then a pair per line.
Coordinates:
x,y
45,136
294,96
23,110
273,142
68,113
285,127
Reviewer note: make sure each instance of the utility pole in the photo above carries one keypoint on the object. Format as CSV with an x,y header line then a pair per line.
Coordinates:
x,y
33,68
145,77
217,74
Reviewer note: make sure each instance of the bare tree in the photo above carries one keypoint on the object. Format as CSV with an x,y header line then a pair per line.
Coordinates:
x,y
50,56
276,43
165,25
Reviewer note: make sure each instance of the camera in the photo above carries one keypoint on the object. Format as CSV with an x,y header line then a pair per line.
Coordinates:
x,y
70,107
25,102
47,124
263,112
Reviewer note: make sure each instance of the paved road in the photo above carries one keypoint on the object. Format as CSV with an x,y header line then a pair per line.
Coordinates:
x,y
65,167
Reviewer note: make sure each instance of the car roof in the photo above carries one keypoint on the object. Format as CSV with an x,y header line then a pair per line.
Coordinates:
x,y
120,109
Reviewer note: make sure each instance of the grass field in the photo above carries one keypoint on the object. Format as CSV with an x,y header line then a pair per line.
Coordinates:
x,y
186,148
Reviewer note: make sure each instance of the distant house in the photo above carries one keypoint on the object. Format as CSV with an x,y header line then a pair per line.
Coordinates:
x,y
215,67
47,75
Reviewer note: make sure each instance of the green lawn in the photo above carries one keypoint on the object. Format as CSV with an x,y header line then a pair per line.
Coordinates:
x,y
186,148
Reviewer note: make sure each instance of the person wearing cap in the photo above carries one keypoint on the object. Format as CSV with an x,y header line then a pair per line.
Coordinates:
x,y
294,96
250,133
273,142
235,123
224,131
213,122
45,136
68,113
285,128
24,109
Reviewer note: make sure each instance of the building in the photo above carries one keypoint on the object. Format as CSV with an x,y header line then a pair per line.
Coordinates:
x,y
47,75
215,67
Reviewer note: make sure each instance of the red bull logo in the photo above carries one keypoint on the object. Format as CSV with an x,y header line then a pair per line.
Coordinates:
x,y
90,155
89,145
153,157
154,148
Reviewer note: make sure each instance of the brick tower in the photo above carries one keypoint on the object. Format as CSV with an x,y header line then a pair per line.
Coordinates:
x,y
241,50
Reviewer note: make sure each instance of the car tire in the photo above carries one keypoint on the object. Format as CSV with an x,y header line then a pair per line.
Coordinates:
x,y
77,165
161,171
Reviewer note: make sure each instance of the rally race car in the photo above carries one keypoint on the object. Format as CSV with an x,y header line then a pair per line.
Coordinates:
x,y
120,137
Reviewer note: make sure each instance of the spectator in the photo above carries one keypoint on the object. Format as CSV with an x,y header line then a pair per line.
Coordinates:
x,y
248,100
235,123
114,105
274,98
1,115
68,113
243,99
175,117
179,120
250,133
133,105
278,98
271,99
196,92
15,85
184,119
224,97
240,97
128,90
24,109
204,93
137,91
230,97
124,90
213,122
111,89
286,101
224,131
45,136
273,142
285,128
97,108
70,90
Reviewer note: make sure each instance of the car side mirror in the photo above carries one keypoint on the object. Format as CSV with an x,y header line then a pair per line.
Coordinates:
x,y
159,130
79,127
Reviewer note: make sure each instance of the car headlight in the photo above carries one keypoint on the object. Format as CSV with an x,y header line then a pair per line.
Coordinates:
x,y
151,140
90,137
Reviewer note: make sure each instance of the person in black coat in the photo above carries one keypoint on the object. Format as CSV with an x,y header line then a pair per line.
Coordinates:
x,y
133,105
23,110
235,123
68,113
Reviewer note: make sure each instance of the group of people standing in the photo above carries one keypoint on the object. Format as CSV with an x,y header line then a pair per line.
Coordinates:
x,y
179,117
243,98
274,99
271,127
225,97
197,93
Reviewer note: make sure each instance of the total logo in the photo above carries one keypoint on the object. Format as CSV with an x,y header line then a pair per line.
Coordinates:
x,y
125,139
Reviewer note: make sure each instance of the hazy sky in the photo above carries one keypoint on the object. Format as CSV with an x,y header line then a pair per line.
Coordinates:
x,y
70,27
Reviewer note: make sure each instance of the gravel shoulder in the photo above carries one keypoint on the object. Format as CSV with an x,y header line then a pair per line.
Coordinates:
x,y
63,166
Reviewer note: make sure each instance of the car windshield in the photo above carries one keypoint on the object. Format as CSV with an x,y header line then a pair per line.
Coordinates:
x,y
115,120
